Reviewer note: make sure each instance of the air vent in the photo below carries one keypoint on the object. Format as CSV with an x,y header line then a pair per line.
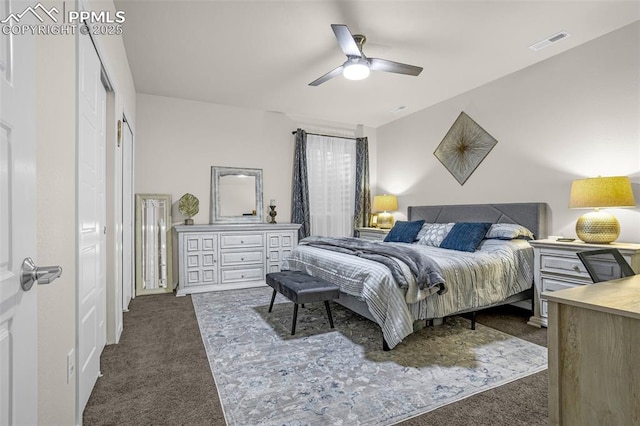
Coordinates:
x,y
549,41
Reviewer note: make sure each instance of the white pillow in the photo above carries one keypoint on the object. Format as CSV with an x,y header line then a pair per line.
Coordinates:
x,y
434,234
509,231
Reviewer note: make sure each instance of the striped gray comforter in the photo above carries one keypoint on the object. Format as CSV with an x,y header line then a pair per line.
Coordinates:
x,y
497,270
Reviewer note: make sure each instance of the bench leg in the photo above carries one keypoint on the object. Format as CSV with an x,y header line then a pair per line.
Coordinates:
x,y
295,317
326,305
385,345
273,297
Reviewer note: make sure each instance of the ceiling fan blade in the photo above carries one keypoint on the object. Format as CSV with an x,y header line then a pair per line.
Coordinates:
x,y
396,67
346,41
328,76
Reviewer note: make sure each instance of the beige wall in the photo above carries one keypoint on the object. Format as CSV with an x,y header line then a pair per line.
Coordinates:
x,y
177,142
574,115
56,203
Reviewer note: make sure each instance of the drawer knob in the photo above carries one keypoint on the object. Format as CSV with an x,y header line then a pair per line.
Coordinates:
x,y
241,241
242,258
576,268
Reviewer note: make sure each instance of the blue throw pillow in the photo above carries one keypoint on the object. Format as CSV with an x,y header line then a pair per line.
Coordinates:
x,y
465,236
404,232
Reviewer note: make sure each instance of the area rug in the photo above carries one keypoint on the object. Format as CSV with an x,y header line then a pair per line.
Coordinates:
x,y
341,376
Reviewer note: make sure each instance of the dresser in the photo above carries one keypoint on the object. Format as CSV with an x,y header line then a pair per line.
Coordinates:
x,y
557,267
229,256
594,341
374,234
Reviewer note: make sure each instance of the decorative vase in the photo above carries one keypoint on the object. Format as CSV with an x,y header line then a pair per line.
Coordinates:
x,y
273,213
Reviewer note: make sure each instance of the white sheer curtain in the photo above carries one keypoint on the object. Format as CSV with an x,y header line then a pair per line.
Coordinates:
x,y
332,175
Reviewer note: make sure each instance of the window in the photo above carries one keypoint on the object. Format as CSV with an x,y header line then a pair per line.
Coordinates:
x,y
332,174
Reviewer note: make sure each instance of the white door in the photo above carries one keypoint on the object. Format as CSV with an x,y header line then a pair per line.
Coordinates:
x,y
18,319
91,311
127,215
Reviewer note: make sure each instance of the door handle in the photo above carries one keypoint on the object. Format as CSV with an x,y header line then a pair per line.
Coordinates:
x,y
31,273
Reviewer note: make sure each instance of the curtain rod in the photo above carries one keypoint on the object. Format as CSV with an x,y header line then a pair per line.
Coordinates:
x,y
328,136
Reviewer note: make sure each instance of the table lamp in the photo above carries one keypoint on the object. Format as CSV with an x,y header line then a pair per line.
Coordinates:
x,y
595,193
385,204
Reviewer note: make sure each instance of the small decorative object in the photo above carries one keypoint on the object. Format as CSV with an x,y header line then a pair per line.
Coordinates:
x,y
464,147
189,207
594,193
373,220
385,204
273,213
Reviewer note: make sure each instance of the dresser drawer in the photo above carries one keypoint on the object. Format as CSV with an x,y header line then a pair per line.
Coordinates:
x,y
241,240
550,284
244,274
202,276
234,258
563,265
199,242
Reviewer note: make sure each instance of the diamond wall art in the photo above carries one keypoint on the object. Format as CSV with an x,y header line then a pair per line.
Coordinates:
x,y
464,147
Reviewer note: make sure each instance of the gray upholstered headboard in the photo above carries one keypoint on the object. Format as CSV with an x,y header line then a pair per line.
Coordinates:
x,y
531,215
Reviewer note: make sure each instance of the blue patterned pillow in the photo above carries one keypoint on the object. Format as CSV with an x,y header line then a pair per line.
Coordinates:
x,y
404,232
465,236
509,231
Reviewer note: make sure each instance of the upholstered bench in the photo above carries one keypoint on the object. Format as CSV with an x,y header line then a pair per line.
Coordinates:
x,y
301,288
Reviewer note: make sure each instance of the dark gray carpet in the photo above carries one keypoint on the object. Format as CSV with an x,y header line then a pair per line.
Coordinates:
x,y
159,374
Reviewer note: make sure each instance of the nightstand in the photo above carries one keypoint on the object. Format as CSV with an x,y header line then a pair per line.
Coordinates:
x,y
557,267
374,234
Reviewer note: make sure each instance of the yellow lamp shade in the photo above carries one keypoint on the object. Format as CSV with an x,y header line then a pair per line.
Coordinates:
x,y
614,191
594,193
385,203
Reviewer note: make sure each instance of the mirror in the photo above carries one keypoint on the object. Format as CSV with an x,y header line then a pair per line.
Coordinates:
x,y
236,195
153,244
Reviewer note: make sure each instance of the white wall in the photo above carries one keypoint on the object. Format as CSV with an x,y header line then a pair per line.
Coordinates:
x,y
56,217
177,142
574,115
56,205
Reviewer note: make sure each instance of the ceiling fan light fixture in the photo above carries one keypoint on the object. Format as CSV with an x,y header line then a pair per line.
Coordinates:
x,y
355,70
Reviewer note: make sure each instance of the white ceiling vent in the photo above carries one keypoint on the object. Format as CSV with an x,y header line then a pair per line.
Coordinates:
x,y
550,40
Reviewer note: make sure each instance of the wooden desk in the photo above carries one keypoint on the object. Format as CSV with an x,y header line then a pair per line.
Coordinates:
x,y
594,354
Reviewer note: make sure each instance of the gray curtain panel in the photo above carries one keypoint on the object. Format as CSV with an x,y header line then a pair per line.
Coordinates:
x,y
363,193
300,194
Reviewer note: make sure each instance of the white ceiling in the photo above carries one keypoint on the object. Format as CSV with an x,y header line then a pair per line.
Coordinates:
x,y
263,54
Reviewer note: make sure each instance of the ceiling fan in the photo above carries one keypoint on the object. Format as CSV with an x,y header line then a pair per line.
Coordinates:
x,y
357,66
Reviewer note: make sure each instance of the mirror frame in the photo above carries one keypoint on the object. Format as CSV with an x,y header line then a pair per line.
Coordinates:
x,y
215,215
139,234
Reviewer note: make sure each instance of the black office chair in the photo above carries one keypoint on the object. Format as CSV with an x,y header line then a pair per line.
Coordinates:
x,y
601,271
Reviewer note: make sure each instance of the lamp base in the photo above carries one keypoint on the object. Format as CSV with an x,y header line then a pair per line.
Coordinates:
x,y
385,220
598,228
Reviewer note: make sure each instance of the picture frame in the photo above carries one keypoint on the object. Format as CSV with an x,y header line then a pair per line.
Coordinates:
x,y
464,147
373,220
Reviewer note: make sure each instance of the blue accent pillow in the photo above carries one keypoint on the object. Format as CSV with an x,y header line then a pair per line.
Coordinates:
x,y
404,232
465,236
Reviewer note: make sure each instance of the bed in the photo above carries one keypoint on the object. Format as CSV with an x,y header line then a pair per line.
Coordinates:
x,y
500,271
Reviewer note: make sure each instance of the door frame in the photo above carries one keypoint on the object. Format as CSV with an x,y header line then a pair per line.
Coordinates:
x,y
127,151
115,108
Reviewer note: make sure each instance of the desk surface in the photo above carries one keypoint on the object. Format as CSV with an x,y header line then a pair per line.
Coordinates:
x,y
619,297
